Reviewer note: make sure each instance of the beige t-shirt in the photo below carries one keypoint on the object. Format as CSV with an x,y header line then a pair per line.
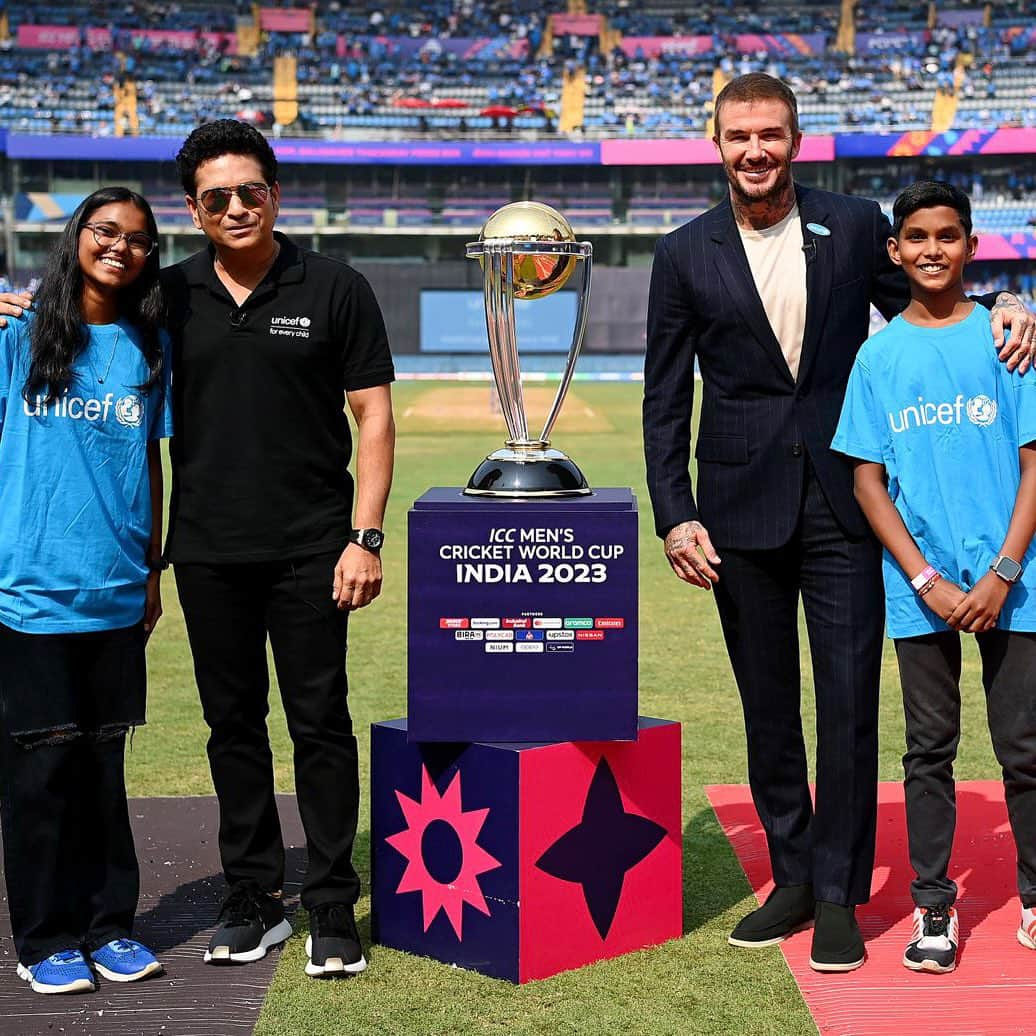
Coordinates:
x,y
778,267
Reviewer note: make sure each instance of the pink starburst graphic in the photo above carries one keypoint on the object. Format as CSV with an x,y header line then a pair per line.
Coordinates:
x,y
436,895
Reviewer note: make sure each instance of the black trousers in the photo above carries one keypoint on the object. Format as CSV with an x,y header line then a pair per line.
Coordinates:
x,y
69,860
230,611
66,702
839,581
929,670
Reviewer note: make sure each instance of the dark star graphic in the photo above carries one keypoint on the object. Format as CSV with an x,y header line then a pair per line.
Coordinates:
x,y
601,848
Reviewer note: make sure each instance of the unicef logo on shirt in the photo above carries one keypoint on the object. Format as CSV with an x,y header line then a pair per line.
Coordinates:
x,y
304,321
981,410
129,411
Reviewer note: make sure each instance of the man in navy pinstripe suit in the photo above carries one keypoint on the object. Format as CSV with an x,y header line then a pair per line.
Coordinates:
x,y
770,291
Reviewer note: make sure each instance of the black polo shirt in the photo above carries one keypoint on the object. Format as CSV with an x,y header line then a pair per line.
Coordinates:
x,y
262,442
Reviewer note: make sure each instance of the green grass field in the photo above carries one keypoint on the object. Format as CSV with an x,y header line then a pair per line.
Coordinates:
x,y
696,984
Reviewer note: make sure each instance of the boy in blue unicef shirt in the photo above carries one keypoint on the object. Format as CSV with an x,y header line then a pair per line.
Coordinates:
x,y
944,442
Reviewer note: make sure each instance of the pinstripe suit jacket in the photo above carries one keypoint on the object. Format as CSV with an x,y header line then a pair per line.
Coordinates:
x,y
757,423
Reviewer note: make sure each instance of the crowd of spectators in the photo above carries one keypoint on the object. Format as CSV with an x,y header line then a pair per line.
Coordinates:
x,y
356,66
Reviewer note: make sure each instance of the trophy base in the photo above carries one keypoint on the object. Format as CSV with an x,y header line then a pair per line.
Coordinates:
x,y
531,473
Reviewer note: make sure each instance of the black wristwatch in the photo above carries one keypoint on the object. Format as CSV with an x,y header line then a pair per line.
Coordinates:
x,y
157,564
369,539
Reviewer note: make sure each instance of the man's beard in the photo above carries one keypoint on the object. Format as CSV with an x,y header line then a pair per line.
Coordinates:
x,y
780,185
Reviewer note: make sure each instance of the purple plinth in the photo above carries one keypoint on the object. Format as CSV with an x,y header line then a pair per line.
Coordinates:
x,y
522,618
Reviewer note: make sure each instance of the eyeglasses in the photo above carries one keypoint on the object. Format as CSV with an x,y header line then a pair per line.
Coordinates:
x,y
217,199
107,235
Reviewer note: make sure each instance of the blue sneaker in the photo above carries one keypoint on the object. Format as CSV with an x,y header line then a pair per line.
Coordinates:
x,y
125,960
63,972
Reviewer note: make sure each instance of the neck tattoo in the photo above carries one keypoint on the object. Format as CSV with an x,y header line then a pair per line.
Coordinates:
x,y
108,366
764,213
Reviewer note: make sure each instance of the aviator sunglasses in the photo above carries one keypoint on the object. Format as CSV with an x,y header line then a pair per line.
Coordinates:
x,y
107,235
217,199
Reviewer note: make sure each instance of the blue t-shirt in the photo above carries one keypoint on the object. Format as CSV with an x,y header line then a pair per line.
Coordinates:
x,y
75,497
946,418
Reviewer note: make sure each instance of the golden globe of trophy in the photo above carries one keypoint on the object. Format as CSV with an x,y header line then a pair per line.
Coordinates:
x,y
527,251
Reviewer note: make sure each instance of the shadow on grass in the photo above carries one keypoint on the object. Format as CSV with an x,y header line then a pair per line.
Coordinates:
x,y
713,880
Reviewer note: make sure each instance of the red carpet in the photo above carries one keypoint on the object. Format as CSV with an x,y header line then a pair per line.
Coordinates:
x,y
989,992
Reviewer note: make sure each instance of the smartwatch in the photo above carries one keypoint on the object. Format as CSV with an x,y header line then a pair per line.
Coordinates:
x,y
369,539
1007,569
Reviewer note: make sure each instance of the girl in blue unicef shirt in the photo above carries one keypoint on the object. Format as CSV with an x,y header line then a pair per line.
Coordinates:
x,y
944,439
83,403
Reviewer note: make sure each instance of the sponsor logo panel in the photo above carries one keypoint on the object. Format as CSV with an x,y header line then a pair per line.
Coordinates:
x,y
589,634
516,624
561,634
454,624
610,624
499,634
485,624
467,634
555,646
529,648
499,647
546,624
579,624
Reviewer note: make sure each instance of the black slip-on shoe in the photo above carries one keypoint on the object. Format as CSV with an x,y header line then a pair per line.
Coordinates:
x,y
786,910
333,946
837,943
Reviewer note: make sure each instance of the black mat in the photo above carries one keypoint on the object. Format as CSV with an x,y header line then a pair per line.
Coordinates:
x,y
181,889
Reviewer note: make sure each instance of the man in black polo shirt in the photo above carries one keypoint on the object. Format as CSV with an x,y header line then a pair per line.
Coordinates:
x,y
267,338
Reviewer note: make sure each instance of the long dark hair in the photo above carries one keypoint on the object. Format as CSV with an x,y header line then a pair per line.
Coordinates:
x,y
57,335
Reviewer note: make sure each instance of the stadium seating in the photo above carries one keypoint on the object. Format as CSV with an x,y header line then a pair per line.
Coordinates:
x,y
458,70
453,67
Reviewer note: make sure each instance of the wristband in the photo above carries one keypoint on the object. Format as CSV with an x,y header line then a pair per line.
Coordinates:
x,y
923,577
931,582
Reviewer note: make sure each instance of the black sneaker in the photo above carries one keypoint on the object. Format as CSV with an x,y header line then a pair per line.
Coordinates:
x,y
786,909
837,943
252,922
933,941
333,946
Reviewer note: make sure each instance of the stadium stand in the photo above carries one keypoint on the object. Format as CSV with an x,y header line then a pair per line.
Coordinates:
x,y
888,91
454,66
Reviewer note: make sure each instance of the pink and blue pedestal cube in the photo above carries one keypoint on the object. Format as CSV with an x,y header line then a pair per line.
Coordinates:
x,y
523,860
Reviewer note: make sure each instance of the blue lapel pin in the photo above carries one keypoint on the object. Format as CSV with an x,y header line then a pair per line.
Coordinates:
x,y
819,229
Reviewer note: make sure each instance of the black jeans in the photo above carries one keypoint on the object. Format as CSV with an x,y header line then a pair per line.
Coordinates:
x,y
69,860
839,582
929,670
66,701
230,611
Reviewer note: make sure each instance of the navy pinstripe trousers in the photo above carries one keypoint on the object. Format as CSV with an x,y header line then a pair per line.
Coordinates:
x,y
831,845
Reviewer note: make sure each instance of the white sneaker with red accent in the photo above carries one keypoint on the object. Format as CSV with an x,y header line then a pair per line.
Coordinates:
x,y
933,940
1027,929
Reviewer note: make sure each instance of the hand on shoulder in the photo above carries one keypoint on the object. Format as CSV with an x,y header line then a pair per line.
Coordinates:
x,y
13,304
